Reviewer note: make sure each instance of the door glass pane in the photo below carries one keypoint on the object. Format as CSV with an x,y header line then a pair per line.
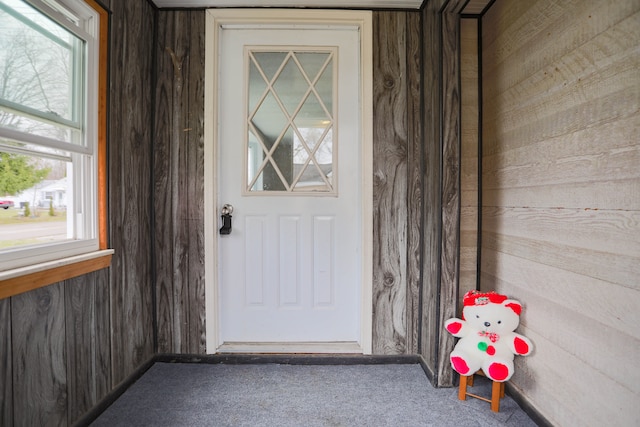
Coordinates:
x,y
289,84
258,88
269,62
290,136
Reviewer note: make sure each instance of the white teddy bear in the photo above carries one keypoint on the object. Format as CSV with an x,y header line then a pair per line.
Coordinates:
x,y
487,337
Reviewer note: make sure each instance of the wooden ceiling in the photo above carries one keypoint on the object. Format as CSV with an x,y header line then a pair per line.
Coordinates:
x,y
473,7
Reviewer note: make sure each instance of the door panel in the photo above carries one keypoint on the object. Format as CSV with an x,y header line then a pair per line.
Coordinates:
x,y
290,272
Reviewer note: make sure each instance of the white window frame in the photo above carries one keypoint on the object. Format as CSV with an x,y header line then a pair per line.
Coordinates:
x,y
82,216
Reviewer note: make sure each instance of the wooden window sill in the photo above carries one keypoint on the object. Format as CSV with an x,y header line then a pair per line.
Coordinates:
x,y
24,279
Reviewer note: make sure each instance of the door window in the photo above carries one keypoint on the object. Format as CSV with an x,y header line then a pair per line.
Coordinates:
x,y
290,121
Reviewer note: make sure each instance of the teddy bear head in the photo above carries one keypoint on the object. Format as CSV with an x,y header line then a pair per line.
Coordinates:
x,y
491,312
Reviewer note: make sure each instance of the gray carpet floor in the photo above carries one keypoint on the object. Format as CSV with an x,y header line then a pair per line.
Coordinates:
x,y
184,394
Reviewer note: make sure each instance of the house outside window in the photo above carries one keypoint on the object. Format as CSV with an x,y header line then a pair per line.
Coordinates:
x,y
49,130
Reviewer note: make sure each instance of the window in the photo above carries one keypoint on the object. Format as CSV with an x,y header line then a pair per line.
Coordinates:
x,y
52,130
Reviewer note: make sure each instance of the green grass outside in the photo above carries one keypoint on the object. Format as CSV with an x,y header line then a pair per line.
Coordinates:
x,y
14,216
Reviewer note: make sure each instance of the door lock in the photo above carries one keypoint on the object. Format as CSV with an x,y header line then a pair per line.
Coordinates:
x,y
226,212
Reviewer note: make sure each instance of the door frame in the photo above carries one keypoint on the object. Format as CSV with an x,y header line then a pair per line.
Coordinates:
x,y
216,19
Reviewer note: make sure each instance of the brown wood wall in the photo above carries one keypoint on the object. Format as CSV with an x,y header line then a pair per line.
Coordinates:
x,y
65,346
561,199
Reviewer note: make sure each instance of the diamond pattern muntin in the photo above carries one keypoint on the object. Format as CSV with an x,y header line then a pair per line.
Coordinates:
x,y
257,87
324,85
269,115
312,62
290,116
289,84
269,62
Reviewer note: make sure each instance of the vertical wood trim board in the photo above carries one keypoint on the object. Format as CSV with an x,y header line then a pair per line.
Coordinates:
x,y
442,182
431,221
561,198
414,180
451,140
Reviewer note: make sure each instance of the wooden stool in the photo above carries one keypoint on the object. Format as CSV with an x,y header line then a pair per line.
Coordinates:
x,y
497,391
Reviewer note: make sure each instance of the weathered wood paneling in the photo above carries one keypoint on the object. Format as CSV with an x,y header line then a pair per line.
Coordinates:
x,y
561,198
87,341
441,80
64,347
432,170
415,179
451,158
179,182
390,183
115,308
6,368
397,182
38,357
469,156
130,91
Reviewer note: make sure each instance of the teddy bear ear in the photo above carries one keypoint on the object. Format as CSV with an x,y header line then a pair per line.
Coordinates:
x,y
513,305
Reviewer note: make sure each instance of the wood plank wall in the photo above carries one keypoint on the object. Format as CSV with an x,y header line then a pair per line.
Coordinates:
x,y
397,199
65,346
130,159
431,222
441,157
469,181
398,184
561,199
179,179
112,311
179,182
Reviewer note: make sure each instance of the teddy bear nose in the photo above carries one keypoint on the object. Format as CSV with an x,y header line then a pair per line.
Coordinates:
x,y
487,324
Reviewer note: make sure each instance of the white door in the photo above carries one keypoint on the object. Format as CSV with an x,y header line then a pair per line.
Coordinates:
x,y
290,144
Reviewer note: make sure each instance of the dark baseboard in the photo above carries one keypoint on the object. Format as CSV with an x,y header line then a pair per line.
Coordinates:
x,y
114,394
427,370
533,413
288,359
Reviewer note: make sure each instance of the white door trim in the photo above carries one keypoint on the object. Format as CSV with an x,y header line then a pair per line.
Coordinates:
x,y
216,19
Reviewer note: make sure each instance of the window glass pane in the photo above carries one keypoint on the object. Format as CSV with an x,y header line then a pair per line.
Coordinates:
x,y
35,193
48,172
33,149
41,74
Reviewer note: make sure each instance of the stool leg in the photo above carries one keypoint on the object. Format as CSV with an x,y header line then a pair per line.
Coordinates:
x,y
462,389
496,390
